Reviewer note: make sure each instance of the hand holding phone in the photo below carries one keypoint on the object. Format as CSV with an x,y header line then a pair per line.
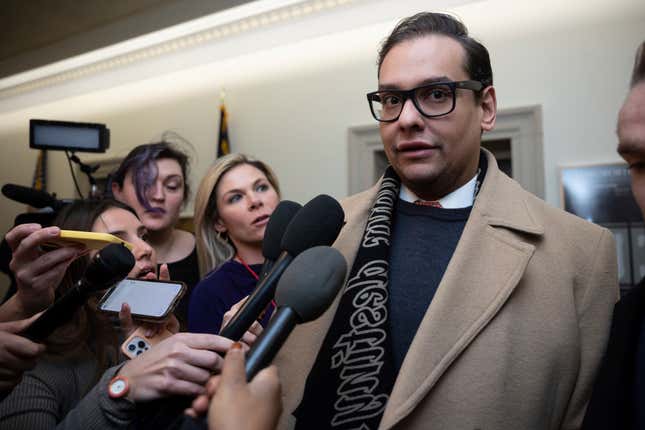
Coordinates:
x,y
138,342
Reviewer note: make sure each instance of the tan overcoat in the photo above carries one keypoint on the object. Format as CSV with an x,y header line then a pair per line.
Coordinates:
x,y
515,332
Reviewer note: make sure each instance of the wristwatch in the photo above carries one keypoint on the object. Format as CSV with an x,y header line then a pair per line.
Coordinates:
x,y
118,387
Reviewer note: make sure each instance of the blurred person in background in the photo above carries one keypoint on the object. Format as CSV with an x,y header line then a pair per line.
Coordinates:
x,y
619,392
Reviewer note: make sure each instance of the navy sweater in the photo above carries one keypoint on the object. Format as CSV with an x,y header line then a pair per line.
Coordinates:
x,y
217,292
424,239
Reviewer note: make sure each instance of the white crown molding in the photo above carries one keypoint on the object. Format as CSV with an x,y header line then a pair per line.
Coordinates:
x,y
232,22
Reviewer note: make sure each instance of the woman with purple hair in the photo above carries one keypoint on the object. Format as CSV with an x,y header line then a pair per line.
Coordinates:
x,y
152,179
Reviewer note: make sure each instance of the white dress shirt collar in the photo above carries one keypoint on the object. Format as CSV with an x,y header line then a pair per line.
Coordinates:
x,y
462,197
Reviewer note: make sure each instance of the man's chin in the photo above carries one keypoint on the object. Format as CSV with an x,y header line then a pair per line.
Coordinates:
x,y
418,176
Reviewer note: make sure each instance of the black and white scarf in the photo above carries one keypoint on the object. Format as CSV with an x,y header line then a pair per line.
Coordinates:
x,y
351,380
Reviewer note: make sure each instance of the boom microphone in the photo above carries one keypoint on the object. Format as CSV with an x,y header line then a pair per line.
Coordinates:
x,y
278,222
110,265
305,291
317,223
32,197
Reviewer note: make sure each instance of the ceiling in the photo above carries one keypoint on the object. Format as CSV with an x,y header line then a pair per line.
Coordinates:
x,y
38,32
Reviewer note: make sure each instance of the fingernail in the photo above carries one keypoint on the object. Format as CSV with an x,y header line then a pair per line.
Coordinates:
x,y
236,345
148,333
54,231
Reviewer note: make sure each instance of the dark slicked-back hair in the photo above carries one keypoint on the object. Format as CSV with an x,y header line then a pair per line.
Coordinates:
x,y
477,61
638,75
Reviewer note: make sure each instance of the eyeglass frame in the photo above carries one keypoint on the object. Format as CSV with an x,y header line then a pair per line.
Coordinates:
x,y
472,85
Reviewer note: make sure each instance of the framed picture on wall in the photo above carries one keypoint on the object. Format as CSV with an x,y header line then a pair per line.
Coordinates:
x,y
602,194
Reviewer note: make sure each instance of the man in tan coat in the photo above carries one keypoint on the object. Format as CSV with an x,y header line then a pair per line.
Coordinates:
x,y
470,303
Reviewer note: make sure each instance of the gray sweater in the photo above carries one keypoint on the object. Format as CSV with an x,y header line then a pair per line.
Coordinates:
x,y
62,395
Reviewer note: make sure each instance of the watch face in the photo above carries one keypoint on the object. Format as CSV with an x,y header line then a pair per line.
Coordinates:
x,y
118,387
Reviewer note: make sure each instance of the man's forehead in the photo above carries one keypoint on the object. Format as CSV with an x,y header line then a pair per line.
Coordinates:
x,y
418,60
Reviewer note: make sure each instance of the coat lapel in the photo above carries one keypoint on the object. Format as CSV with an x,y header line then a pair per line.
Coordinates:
x,y
484,270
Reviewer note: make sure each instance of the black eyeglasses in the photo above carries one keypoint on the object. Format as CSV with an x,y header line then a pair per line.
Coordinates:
x,y
431,100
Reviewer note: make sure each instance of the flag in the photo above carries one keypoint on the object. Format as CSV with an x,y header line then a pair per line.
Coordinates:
x,y
40,174
223,146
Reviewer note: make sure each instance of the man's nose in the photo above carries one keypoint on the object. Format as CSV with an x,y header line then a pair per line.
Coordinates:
x,y
410,115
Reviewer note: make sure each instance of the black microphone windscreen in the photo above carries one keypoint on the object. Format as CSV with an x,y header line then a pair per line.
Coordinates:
x,y
28,196
110,265
317,223
280,219
311,282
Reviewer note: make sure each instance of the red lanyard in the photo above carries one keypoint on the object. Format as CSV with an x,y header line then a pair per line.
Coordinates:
x,y
251,271
257,278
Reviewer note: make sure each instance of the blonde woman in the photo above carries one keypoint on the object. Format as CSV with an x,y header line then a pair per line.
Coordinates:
x,y
232,208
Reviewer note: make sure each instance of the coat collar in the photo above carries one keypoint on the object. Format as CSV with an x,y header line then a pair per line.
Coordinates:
x,y
503,203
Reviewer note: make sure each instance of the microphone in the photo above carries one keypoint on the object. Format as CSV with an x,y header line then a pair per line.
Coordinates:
x,y
278,222
110,265
31,197
305,291
317,223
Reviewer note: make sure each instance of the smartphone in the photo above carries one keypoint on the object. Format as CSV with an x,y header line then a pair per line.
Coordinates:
x,y
149,300
138,343
90,239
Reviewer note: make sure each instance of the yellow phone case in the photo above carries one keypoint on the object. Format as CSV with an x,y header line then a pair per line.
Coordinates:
x,y
90,239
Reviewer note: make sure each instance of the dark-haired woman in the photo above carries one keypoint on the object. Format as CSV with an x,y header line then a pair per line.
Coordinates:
x,y
82,383
152,179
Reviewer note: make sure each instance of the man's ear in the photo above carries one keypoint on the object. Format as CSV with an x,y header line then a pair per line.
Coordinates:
x,y
489,108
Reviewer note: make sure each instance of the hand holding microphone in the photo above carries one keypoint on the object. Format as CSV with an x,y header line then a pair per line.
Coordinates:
x,y
37,273
305,290
110,265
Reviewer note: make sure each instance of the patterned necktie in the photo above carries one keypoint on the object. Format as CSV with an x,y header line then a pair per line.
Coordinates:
x,y
433,203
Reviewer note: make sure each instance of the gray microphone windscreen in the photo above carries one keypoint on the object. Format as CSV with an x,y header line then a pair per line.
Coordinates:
x,y
311,282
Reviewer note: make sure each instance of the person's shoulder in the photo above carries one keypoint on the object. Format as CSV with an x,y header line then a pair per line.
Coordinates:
x,y
360,201
217,277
